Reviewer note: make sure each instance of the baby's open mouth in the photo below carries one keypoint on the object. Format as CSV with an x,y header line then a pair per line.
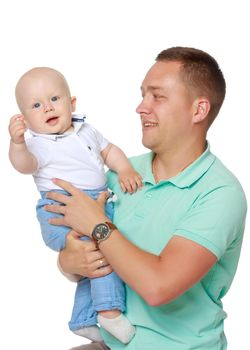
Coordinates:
x,y
52,120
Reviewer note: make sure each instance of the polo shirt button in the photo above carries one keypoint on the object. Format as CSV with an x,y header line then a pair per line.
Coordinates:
x,y
149,195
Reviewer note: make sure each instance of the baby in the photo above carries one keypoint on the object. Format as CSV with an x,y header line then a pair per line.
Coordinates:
x,y
62,145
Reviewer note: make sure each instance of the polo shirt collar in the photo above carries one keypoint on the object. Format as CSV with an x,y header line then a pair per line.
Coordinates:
x,y
188,176
77,121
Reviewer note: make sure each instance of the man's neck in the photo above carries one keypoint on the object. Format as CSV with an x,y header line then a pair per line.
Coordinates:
x,y
169,164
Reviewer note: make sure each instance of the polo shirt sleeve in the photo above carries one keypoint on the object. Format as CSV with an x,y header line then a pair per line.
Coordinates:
x,y
216,219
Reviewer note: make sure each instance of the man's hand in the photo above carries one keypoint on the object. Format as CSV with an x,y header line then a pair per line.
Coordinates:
x,y
82,258
80,212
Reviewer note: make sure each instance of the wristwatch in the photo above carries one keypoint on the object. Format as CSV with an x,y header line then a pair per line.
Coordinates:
x,y
102,231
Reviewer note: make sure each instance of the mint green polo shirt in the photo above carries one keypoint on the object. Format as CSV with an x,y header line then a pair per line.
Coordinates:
x,y
206,204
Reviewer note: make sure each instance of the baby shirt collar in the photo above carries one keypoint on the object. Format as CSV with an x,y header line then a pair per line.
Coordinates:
x,y
77,121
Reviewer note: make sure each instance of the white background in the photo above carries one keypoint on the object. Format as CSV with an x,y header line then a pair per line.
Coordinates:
x,y
104,48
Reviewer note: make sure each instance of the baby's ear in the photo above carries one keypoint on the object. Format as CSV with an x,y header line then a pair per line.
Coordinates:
x,y
73,103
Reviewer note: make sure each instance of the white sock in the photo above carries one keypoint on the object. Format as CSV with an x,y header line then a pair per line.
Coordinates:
x,y
119,327
92,333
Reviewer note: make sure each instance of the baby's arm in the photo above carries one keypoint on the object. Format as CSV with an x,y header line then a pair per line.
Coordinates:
x,y
116,160
20,157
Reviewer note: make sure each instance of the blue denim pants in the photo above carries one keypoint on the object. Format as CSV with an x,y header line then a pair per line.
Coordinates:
x,y
92,295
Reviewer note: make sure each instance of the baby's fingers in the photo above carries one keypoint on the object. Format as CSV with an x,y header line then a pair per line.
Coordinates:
x,y
17,132
130,185
138,180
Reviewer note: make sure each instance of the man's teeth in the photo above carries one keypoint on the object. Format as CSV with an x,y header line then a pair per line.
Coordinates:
x,y
149,124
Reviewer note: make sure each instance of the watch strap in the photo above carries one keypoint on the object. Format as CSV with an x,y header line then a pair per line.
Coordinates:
x,y
111,227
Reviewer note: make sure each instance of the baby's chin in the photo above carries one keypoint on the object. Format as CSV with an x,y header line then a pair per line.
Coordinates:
x,y
51,127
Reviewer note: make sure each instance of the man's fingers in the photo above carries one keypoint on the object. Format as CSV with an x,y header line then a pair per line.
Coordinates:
x,y
101,272
102,198
100,263
66,186
54,208
57,221
58,197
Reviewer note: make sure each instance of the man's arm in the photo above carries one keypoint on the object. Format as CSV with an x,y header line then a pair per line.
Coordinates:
x,y
158,279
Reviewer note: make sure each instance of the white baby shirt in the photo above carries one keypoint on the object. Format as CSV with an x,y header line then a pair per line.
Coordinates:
x,y
74,157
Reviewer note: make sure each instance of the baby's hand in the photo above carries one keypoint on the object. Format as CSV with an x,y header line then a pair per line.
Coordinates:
x,y
17,128
130,180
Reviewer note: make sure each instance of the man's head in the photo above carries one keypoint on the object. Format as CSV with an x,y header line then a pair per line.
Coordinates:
x,y
43,97
182,94
200,73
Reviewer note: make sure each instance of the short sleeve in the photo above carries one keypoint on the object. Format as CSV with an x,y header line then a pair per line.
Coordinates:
x,y
100,139
216,219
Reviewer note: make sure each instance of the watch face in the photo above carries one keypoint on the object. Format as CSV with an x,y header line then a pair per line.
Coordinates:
x,y
101,231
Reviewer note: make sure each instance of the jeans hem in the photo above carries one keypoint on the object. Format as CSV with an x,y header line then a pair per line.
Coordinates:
x,y
110,306
74,326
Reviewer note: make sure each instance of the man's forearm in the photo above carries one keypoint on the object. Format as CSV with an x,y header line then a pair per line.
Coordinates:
x,y
158,279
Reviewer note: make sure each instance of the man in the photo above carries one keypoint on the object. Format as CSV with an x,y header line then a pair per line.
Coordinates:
x,y
178,240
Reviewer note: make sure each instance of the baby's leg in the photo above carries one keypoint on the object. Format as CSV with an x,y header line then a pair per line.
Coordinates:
x,y
83,320
108,296
106,300
54,236
114,322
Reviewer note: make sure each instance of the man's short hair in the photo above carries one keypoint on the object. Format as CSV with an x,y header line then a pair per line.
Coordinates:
x,y
201,74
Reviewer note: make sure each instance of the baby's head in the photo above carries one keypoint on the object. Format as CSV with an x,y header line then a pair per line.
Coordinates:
x,y
44,99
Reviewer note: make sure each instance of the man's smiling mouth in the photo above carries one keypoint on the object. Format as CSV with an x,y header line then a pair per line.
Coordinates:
x,y
147,124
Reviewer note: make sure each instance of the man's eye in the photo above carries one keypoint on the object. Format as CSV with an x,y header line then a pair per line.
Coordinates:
x,y
158,97
36,105
54,98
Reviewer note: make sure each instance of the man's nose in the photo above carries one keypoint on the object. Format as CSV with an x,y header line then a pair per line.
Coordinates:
x,y
143,107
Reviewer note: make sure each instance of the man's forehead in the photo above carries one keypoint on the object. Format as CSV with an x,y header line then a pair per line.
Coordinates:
x,y
161,74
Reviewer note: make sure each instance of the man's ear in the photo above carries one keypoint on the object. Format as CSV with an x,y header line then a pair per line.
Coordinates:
x,y
73,103
201,109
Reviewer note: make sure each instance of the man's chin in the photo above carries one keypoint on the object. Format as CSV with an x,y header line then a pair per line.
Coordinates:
x,y
147,144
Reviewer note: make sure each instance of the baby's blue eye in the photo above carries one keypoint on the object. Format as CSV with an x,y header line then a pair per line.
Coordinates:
x,y
36,105
54,98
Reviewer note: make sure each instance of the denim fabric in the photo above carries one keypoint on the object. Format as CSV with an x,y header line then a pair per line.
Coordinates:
x,y
55,236
92,295
96,294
